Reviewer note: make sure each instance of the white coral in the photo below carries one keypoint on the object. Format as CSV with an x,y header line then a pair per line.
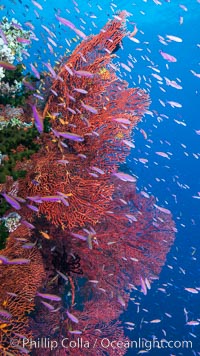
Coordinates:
x,y
12,221
7,89
11,50
2,74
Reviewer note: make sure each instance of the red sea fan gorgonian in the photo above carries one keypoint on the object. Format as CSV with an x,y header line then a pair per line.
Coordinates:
x,y
97,237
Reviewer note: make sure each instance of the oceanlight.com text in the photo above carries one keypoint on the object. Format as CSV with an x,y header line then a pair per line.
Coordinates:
x,y
105,343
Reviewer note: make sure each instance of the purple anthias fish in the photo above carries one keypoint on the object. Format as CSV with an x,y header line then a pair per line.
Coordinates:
x,y
3,36
63,276
81,91
64,201
51,198
71,136
89,108
84,73
3,259
10,200
5,314
78,236
6,65
47,305
19,261
98,170
33,207
21,200
28,245
63,198
23,40
143,286
71,25
72,317
38,96
35,71
36,199
122,120
28,224
68,135
39,123
124,177
51,70
53,297
63,161
27,84
68,69
75,332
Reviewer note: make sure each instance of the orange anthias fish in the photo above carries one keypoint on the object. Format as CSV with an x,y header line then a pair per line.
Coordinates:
x,y
133,33
45,235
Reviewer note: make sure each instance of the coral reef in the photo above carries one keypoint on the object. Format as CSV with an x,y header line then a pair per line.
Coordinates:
x,y
16,147
10,45
15,88
12,221
19,284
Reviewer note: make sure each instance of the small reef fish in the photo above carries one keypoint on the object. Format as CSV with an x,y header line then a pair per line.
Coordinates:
x,y
72,317
35,71
23,40
83,73
7,65
32,207
81,237
89,108
29,245
164,210
39,123
191,290
71,25
63,276
168,57
28,224
10,200
69,70
5,314
174,104
45,235
122,121
19,261
68,135
51,70
174,38
81,91
75,332
125,177
129,143
48,306
143,286
193,322
51,198
162,154
53,297
121,301
98,170
37,4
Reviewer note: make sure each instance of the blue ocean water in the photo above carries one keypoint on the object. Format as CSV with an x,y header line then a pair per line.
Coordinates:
x,y
172,130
